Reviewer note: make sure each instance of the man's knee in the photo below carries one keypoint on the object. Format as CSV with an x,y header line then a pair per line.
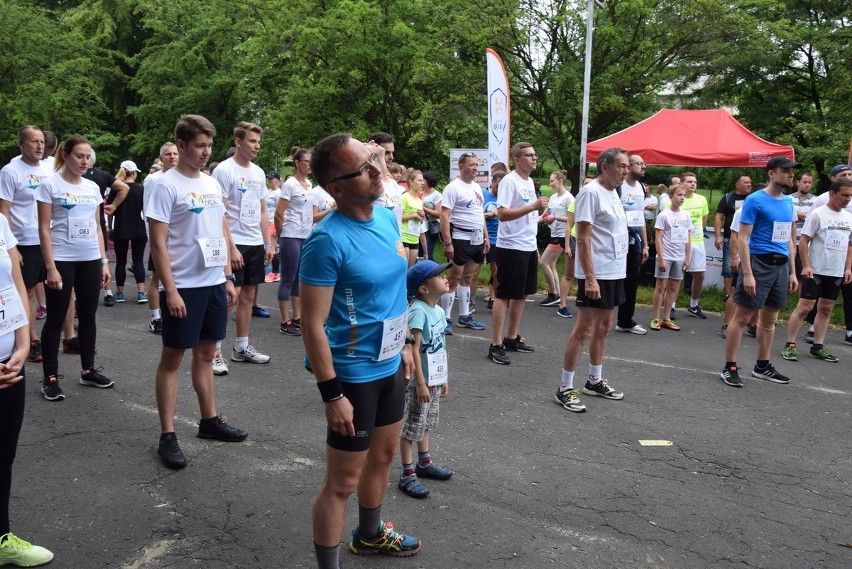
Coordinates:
x,y
766,319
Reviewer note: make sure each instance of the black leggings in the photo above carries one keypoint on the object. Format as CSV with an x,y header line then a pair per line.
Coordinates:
x,y
11,418
85,278
137,251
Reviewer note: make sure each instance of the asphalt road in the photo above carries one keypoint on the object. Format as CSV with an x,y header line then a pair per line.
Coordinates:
x,y
754,477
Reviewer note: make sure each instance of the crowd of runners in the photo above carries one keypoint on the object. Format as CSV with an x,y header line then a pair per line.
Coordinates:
x,y
353,260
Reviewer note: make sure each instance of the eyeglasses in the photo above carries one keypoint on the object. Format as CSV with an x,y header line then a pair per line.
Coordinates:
x,y
374,158
533,156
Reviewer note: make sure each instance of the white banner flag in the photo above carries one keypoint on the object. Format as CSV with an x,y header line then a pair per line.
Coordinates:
x,y
498,110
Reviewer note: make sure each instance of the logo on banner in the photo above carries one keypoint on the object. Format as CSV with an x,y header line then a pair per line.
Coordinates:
x,y
497,108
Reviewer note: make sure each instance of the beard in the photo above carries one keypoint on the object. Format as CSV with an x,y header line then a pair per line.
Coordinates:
x,y
640,177
785,188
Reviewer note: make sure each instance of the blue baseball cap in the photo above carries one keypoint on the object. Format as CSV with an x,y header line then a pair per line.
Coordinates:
x,y
420,272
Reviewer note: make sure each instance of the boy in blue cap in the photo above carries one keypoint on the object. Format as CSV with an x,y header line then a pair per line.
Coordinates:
x,y
426,282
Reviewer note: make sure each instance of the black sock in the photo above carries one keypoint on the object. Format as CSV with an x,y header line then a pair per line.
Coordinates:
x,y
369,521
164,435
327,557
730,365
816,347
762,364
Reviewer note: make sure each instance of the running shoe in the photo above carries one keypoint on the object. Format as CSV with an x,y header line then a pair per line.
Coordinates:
x,y
723,331
697,312
469,322
809,337
672,314
412,486
72,346
552,299
489,304
769,373
635,329
433,471
752,331
249,355
655,324
731,376
670,325
220,366
498,355
270,277
141,298
297,322
570,400
290,329
448,329
823,354
564,312
217,429
848,338
517,345
169,451
789,353
50,388
119,297
35,351
156,326
602,389
259,312
94,378
41,312
109,300
15,551
388,542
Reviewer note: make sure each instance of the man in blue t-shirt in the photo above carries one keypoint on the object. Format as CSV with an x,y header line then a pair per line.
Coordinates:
x,y
767,270
353,281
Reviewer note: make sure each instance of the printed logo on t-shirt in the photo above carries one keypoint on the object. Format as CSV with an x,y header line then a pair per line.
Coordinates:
x,y
476,201
196,203
243,185
32,182
401,250
68,201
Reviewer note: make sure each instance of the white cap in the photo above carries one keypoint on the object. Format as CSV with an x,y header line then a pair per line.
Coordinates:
x,y
129,166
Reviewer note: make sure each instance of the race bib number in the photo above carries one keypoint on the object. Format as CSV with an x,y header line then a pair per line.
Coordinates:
x,y
620,243
836,240
635,218
12,314
213,249
79,229
413,227
393,337
476,237
680,234
781,231
696,229
437,368
463,235
250,211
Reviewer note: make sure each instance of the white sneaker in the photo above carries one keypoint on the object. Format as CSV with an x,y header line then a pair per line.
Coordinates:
x,y
220,366
249,355
635,329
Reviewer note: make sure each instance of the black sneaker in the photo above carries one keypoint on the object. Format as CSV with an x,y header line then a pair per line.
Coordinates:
x,y
809,337
156,326
602,389
551,299
697,312
109,300
731,376
848,338
217,429
169,451
752,331
570,400
35,351
498,355
50,388
95,379
517,345
769,373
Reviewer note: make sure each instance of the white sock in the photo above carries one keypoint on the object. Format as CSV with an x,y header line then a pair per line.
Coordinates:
x,y
674,305
108,292
567,380
155,314
447,304
463,293
219,345
241,343
595,373
693,302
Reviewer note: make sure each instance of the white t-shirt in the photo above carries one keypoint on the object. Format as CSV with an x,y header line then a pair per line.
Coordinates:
x,y
663,202
392,200
830,232
244,189
74,218
650,200
299,217
558,206
271,200
633,201
14,314
735,221
465,203
518,234
321,199
193,209
676,228
602,208
19,183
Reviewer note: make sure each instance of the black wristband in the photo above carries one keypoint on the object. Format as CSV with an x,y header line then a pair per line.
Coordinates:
x,y
330,390
410,341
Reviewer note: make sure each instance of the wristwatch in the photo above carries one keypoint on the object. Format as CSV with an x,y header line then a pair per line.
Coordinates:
x,y
231,278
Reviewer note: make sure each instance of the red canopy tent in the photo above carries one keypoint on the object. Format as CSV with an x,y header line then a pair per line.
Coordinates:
x,y
674,137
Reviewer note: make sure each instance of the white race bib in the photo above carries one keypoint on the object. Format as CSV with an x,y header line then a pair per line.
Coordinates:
x,y
413,227
249,210
82,229
696,229
781,231
836,240
393,337
620,243
12,314
437,368
213,249
476,237
635,218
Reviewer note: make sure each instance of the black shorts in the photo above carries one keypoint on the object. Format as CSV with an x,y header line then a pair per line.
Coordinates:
x,y
151,266
491,255
463,252
612,294
517,273
821,287
411,245
375,404
252,271
206,317
33,269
